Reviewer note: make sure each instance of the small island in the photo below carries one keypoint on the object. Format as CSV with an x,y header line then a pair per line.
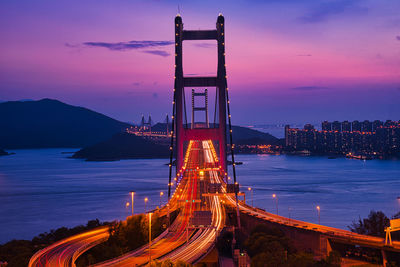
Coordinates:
x,y
123,146
4,153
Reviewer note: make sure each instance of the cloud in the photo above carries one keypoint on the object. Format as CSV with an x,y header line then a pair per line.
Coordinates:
x,y
72,45
137,83
201,74
123,46
205,45
398,38
326,10
131,45
304,55
161,53
309,88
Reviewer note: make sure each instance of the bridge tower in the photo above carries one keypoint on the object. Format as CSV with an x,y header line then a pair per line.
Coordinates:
x,y
185,132
146,125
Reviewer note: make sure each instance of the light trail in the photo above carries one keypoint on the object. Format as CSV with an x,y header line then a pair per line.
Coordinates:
x,y
176,238
65,252
201,245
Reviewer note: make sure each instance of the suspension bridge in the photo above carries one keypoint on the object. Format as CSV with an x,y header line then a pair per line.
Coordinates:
x,y
203,195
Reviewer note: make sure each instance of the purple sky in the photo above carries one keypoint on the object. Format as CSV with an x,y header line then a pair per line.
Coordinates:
x,y
288,61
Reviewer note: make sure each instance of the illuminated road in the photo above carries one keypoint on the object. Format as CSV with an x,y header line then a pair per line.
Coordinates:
x,y
182,241
66,251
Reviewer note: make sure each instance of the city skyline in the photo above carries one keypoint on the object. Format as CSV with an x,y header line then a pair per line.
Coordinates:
x,y
292,61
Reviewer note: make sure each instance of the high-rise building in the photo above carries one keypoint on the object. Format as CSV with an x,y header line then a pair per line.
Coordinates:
x,y
376,124
308,127
287,129
326,126
388,123
366,138
366,126
356,126
346,126
336,126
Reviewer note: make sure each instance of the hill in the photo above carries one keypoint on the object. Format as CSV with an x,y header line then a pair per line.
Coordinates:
x,y
123,146
241,135
3,153
129,146
247,135
51,123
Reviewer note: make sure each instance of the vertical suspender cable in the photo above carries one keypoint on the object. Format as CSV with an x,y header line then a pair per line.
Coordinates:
x,y
184,106
216,102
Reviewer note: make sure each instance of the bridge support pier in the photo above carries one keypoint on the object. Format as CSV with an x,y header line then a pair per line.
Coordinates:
x,y
325,247
384,258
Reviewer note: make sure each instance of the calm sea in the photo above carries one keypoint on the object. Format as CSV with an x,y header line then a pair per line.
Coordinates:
x,y
43,189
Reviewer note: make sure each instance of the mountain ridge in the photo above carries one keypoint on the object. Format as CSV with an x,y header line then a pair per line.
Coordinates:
x,y
49,123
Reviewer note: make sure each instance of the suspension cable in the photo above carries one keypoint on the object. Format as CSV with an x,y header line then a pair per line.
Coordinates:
x,y
171,153
232,156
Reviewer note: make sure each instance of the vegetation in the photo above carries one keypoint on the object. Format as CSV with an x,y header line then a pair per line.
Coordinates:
x,y
373,225
18,252
51,123
270,247
3,153
125,236
123,146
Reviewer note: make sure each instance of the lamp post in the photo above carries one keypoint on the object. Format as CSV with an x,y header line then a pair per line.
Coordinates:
x,y
274,196
132,195
161,194
251,190
145,204
319,211
150,238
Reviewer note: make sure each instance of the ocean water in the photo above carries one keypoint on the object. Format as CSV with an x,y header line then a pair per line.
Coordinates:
x,y
43,189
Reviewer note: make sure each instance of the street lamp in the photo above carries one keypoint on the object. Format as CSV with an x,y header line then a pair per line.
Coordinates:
x,y
319,217
150,238
274,196
161,194
132,195
145,204
251,190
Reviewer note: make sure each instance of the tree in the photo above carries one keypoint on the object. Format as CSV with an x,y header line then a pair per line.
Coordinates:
x,y
373,225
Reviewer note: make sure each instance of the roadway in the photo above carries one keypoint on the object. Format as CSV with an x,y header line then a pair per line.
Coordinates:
x,y
182,241
66,251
